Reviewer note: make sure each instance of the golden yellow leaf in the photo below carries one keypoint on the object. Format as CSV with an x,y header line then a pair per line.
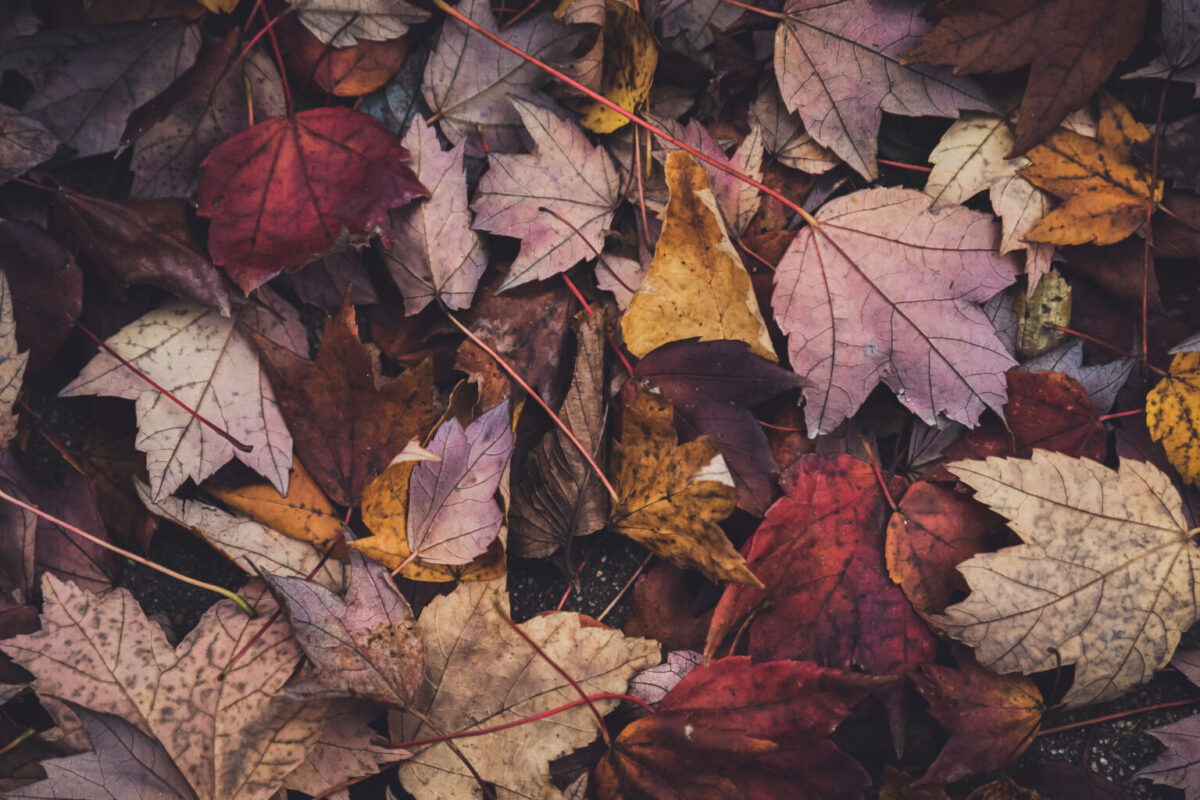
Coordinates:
x,y
1106,195
1173,415
384,511
671,496
630,58
696,285
304,513
219,6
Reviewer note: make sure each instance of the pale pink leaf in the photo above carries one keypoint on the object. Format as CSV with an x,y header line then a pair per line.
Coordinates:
x,y
838,66
344,752
434,253
652,685
566,174
885,291
452,512
1179,765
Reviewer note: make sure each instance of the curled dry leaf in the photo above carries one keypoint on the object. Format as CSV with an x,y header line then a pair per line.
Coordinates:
x,y
671,496
1105,579
479,673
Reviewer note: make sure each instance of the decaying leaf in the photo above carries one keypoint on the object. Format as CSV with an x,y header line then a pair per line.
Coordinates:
x,y
304,513
1104,581
886,291
671,496
1040,314
12,366
208,363
479,673
24,142
697,285
630,57
1173,414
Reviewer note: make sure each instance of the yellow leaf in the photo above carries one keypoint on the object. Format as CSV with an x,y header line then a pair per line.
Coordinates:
x,y
1047,305
671,496
219,6
630,59
696,285
1173,415
304,513
1106,195
384,511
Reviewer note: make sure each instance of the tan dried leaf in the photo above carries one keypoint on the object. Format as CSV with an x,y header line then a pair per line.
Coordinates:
x,y
12,366
1106,580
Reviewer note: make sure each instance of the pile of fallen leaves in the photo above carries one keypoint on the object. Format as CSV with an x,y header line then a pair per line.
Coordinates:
x,y
381,299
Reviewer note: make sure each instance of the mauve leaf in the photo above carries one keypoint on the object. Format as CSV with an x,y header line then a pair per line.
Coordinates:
x,y
884,290
1100,381
24,142
566,174
46,284
1179,766
282,190
87,81
838,66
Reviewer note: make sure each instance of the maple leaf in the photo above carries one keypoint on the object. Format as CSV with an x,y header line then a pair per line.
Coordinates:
x,y
325,280
671,496
838,66
1070,47
696,21
1105,579
784,136
87,81
1179,765
652,685
346,429
712,386
566,174
1173,414
207,362
12,366
697,284
230,738
304,513
24,142
469,79
434,254
735,729
971,157
46,285
342,71
73,500
1106,195
557,496
204,107
1100,381
629,60
885,290
346,750
342,23
283,189
465,636
362,647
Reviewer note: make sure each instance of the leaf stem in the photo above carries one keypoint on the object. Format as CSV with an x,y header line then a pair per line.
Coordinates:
x,y
529,390
899,164
221,590
1162,101
1117,715
761,11
634,118
270,30
1120,414
22,736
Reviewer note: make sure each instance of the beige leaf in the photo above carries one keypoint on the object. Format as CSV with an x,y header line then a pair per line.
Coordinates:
x,y
342,23
480,673
12,365
1106,579
971,157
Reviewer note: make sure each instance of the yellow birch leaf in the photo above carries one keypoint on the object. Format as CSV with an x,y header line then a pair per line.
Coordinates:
x,y
630,59
1173,415
303,513
671,496
696,285
1105,194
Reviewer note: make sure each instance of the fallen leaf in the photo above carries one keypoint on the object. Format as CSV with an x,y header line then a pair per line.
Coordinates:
x,y
630,58
991,718
1096,541
231,738
696,21
712,386
1177,160
1173,414
697,285
87,81
1051,411
838,66
1003,788
249,544
566,174
346,429
933,530
898,785
661,608
46,286
282,190
1179,766
557,497
173,345
1100,381
1106,195
784,136
304,513
324,280
24,142
652,685
68,556
364,647
343,71
18,532
469,79
434,254
1055,779
972,156
345,751
670,497
12,366
1070,48
864,298
478,673
735,729
341,23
